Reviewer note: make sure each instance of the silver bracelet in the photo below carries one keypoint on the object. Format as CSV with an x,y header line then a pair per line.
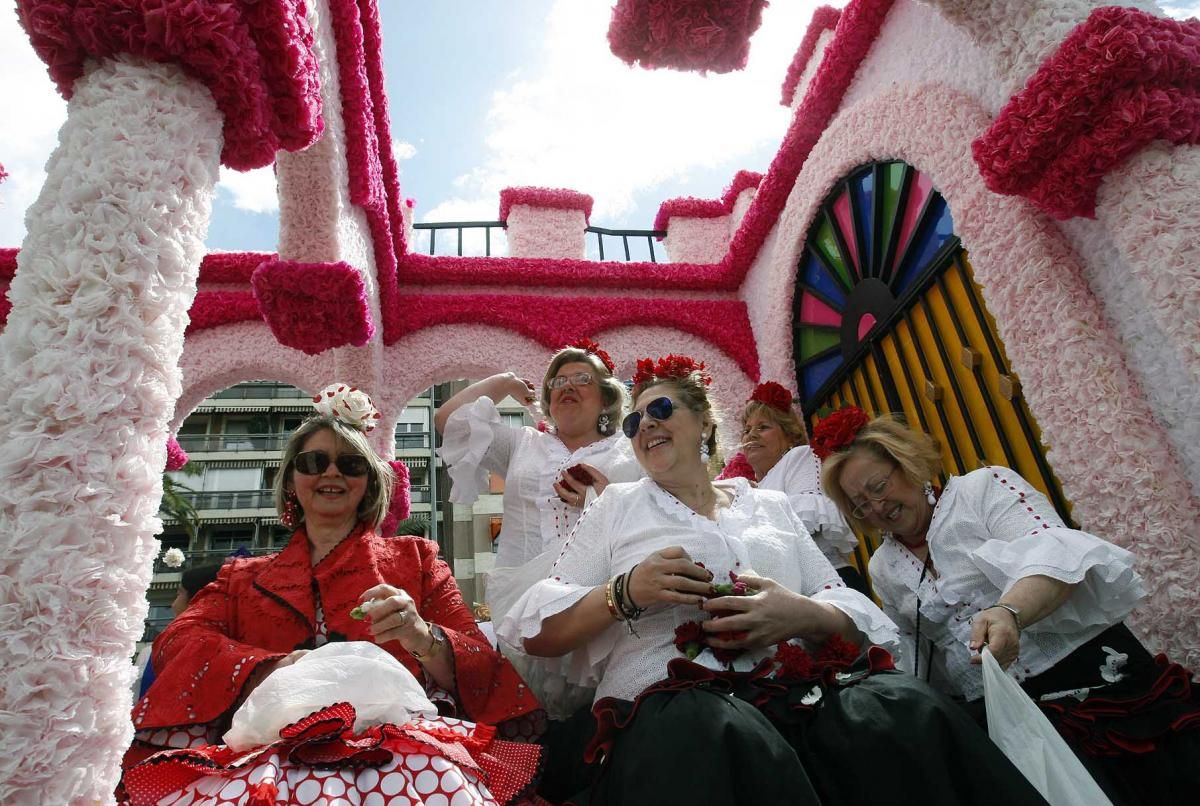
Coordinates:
x,y
1016,614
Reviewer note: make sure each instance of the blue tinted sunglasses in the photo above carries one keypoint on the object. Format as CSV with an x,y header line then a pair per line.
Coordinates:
x,y
660,408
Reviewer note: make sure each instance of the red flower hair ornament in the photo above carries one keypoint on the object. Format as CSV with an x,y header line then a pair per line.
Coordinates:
x,y
589,346
670,366
837,431
774,395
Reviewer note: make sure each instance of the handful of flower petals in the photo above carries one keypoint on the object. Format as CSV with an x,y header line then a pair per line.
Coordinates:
x,y
690,638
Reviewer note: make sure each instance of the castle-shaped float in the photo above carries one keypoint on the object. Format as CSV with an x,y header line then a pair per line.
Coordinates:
x,y
984,214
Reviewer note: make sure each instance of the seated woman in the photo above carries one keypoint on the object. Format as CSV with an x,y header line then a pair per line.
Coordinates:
x,y
775,444
987,560
549,476
265,613
634,590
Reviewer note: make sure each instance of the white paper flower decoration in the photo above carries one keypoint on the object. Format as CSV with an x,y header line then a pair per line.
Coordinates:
x,y
173,558
349,404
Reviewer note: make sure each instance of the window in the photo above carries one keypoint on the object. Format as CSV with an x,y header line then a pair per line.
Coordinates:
x,y
196,424
231,479
516,419
231,538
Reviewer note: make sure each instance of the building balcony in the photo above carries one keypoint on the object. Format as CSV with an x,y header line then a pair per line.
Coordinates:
x,y
196,444
234,500
196,558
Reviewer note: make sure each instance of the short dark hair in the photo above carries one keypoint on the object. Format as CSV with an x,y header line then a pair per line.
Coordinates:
x,y
197,577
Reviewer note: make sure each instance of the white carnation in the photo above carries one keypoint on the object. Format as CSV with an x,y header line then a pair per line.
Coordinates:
x,y
348,404
173,558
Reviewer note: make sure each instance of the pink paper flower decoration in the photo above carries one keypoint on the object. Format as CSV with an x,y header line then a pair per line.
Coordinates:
x,y
216,308
232,267
176,456
256,58
314,307
1121,79
691,207
554,198
401,505
697,35
737,468
825,18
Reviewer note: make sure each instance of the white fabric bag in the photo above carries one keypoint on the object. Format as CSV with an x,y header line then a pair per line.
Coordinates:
x,y
358,672
1025,735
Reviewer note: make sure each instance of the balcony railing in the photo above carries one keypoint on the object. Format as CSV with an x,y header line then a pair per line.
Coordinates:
x,y
233,443
601,233
411,441
237,499
419,495
192,559
260,391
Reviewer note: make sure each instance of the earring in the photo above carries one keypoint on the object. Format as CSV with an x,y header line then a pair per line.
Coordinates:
x,y
603,423
290,517
929,496
704,453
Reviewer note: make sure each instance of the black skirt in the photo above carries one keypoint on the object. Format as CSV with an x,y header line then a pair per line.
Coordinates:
x,y
856,733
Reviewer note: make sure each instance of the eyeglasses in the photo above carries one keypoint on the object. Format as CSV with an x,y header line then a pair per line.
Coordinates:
x,y
875,493
575,379
314,463
660,408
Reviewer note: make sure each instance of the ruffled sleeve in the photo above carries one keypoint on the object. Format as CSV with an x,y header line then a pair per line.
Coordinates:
x,y
476,441
582,564
798,475
822,583
1026,537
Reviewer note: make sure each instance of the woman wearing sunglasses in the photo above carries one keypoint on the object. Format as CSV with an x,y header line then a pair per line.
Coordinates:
x,y
265,613
737,666
988,560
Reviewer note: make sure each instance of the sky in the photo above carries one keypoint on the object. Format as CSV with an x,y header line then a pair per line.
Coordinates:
x,y
485,95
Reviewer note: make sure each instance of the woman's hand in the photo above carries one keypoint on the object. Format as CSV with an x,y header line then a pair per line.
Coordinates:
x,y
512,385
573,492
997,628
267,668
771,615
669,577
392,616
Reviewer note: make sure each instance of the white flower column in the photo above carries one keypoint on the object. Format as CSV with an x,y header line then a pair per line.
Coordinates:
x,y
88,383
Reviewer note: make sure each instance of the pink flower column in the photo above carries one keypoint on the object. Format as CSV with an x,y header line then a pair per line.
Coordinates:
x,y
1104,123
89,378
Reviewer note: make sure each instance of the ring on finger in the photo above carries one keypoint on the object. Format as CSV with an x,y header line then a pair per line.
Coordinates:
x,y
403,616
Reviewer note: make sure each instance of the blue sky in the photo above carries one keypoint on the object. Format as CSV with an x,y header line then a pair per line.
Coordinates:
x,y
484,95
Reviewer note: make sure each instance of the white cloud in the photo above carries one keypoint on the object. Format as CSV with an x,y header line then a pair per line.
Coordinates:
x,y
33,114
584,120
1182,11
254,191
403,151
474,240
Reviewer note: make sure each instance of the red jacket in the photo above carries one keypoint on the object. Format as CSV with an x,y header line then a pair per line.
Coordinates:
x,y
261,608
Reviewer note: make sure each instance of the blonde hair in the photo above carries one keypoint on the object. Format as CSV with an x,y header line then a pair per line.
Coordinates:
x,y
788,421
693,393
381,479
888,438
612,391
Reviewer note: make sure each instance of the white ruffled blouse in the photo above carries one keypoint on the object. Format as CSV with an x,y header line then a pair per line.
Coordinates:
x,y
798,475
989,529
476,441
758,533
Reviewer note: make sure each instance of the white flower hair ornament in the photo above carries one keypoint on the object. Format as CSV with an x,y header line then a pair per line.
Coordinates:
x,y
173,558
349,404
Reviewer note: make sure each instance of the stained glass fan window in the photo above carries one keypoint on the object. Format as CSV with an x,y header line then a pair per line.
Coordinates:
x,y
881,230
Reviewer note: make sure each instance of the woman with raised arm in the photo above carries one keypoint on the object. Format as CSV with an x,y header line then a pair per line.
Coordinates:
x,y
337,580
549,476
775,444
988,561
736,665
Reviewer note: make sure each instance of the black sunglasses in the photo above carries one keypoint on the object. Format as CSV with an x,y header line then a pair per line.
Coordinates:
x,y
660,408
314,463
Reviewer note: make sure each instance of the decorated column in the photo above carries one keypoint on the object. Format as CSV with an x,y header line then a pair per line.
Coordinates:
x,y
1104,124
89,377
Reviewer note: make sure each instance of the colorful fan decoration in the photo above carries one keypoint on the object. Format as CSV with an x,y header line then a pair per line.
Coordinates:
x,y
882,229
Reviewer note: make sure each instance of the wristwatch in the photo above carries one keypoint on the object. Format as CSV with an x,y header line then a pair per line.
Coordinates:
x,y
439,640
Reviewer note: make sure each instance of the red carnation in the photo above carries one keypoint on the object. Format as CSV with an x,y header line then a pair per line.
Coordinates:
x,y
738,467
589,346
774,395
670,366
689,639
837,431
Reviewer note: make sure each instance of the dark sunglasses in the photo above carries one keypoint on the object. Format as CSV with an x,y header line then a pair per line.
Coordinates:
x,y
314,463
660,408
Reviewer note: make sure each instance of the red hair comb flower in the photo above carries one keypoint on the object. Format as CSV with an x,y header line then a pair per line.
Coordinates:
x,y
774,395
837,431
670,366
589,346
